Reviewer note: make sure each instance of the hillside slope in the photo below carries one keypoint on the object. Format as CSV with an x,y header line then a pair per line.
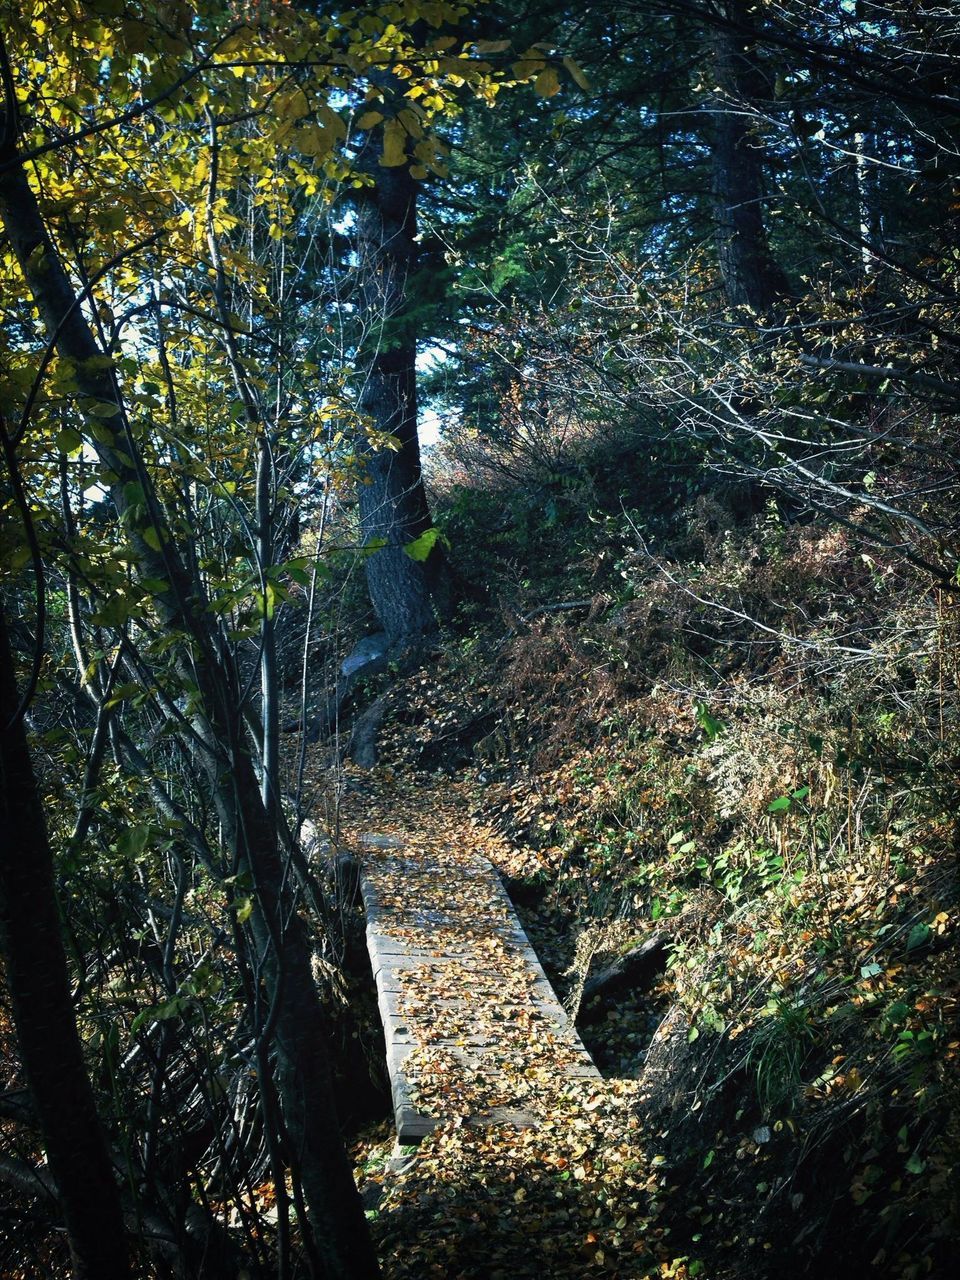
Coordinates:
x,y
744,747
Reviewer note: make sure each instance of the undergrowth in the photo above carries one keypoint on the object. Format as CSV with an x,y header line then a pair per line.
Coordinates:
x,y
748,743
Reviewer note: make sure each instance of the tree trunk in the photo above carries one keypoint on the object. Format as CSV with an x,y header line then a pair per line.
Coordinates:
x,y
751,277
296,1018
304,1070
393,504
36,974
868,214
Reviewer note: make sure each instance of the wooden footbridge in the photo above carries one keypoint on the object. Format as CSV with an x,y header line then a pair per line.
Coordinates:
x,y
474,1032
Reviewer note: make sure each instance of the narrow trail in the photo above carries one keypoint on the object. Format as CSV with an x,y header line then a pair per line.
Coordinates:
x,y
564,1184
472,1026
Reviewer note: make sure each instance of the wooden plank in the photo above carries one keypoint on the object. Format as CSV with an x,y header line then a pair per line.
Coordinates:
x,y
460,987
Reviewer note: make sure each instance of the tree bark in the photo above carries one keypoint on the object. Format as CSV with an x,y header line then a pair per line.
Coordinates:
x,y
392,500
751,276
37,977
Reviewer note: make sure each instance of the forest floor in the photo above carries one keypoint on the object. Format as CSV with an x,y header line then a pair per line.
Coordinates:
x,y
780,1091
829,1124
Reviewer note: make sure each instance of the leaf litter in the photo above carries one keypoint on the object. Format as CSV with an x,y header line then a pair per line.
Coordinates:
x,y
577,1192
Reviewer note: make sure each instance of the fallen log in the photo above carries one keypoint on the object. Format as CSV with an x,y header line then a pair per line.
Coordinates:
x,y
635,966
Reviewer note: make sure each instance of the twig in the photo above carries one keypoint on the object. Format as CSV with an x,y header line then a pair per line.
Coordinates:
x,y
562,606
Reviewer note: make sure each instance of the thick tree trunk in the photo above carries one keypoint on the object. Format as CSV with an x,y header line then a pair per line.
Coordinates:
x,y
298,1023
393,504
751,277
36,975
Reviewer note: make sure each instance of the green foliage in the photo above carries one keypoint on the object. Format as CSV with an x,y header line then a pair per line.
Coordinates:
x,y
783,804
740,872
422,546
711,727
780,1045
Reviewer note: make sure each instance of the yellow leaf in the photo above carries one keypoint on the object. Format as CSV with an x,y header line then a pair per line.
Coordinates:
x,y
103,408
299,105
492,46
102,434
410,119
293,105
394,144
576,74
331,120
527,67
69,441
547,83
136,35
312,140
368,119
